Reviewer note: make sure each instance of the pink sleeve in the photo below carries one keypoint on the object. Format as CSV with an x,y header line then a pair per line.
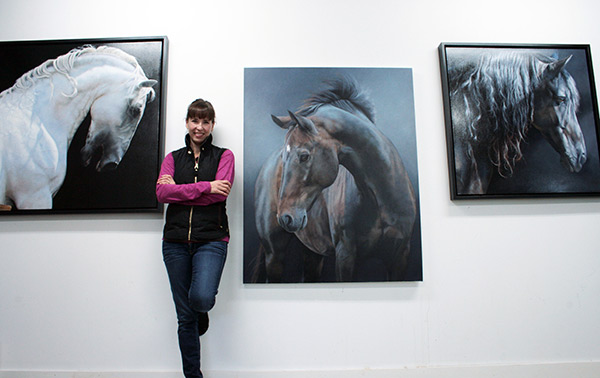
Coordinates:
x,y
197,193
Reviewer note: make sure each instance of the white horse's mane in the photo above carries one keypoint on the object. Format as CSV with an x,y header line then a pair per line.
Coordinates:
x,y
64,64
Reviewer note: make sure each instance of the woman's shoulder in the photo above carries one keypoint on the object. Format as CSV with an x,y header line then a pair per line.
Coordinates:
x,y
179,151
222,150
227,154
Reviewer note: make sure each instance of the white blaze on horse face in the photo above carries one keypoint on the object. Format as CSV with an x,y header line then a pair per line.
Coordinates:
x,y
309,166
291,209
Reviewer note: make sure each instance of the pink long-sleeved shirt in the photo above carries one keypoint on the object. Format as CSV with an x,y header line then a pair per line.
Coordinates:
x,y
196,194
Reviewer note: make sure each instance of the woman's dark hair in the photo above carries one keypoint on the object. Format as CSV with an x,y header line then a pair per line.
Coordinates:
x,y
201,109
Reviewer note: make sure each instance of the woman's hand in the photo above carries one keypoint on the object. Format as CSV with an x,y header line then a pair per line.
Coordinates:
x,y
221,187
165,179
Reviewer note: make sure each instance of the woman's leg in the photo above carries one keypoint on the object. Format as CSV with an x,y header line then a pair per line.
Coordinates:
x,y
178,261
207,268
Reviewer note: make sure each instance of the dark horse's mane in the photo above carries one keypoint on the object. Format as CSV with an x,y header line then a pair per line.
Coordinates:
x,y
343,93
498,91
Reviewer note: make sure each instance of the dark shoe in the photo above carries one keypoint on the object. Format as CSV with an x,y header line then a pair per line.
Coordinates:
x,y
202,323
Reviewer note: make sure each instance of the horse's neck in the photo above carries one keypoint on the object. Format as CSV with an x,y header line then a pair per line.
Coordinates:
x,y
62,118
367,154
65,102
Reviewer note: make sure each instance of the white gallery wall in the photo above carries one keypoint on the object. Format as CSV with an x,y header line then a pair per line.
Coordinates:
x,y
506,282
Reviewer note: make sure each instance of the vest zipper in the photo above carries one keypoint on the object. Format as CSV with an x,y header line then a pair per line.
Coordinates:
x,y
220,217
192,207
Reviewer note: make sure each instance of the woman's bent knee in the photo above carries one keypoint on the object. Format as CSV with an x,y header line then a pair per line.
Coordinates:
x,y
202,304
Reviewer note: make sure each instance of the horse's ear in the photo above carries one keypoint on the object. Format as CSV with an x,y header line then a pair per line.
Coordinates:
x,y
151,95
283,122
305,123
147,83
552,70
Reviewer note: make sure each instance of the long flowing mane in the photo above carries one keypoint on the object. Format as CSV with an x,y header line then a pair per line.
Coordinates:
x,y
498,93
64,64
344,94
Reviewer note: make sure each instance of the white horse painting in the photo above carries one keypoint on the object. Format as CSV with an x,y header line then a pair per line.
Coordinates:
x,y
41,112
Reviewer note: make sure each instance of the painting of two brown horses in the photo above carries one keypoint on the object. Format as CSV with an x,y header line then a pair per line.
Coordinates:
x,y
331,187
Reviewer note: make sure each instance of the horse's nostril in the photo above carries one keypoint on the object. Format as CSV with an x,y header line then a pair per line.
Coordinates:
x,y
108,167
287,222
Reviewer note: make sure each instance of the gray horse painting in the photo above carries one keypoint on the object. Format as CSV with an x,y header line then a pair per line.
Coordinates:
x,y
511,108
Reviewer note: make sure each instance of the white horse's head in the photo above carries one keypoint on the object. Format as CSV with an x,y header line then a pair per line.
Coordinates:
x,y
115,117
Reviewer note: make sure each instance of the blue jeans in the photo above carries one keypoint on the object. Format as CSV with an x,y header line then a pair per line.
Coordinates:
x,y
194,271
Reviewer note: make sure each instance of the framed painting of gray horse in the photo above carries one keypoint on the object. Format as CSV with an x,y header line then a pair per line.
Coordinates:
x,y
521,120
330,176
81,126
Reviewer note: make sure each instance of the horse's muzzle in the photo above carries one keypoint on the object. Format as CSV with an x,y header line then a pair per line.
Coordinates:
x,y
574,164
105,163
107,166
291,223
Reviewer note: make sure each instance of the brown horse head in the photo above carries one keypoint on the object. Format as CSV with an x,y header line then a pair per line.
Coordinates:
x,y
309,164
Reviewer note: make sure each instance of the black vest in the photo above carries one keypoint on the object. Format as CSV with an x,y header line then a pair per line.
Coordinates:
x,y
185,223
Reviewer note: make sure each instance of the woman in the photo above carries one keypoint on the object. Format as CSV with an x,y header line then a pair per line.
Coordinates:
x,y
195,181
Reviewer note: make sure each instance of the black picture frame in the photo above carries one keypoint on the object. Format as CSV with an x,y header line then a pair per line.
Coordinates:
x,y
505,105
131,186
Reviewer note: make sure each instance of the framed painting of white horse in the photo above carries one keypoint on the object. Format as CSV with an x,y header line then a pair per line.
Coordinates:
x,y
521,120
81,125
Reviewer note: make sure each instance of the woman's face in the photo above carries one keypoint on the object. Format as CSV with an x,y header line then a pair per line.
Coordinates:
x,y
199,129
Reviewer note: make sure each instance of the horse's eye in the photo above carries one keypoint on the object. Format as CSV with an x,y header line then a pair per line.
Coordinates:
x,y
134,111
303,157
560,99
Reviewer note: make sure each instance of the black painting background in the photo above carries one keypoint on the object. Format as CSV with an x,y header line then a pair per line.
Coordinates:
x,y
131,186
